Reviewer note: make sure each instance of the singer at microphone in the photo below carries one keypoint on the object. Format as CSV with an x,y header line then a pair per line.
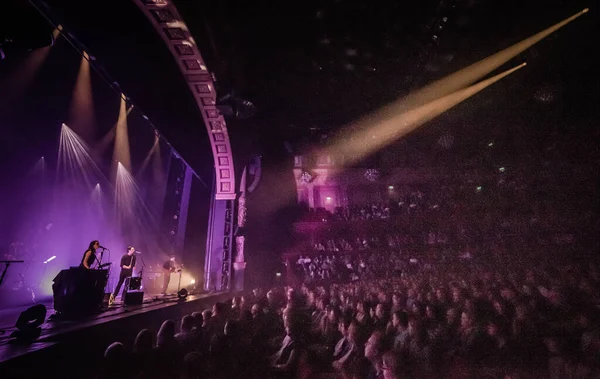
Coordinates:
x,y
127,265
89,257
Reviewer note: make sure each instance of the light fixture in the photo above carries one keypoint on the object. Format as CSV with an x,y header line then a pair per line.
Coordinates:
x,y
50,259
372,174
29,323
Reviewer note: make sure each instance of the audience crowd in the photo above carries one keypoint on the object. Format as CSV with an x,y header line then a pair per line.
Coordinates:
x,y
389,316
478,279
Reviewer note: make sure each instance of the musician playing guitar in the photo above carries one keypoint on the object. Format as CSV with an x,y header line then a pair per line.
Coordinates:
x,y
169,267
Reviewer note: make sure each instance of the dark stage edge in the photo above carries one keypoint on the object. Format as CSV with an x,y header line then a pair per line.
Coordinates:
x,y
65,345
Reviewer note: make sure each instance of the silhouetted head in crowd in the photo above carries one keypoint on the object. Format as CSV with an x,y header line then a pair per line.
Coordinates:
x,y
374,347
166,333
344,324
187,324
393,367
400,320
193,366
206,315
246,315
381,311
198,319
256,311
116,359
218,310
355,334
292,326
232,329
144,342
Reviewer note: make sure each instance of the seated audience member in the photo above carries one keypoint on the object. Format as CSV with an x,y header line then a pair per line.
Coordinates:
x,y
374,348
193,366
143,352
285,363
343,345
168,350
400,328
347,364
117,363
394,366
186,336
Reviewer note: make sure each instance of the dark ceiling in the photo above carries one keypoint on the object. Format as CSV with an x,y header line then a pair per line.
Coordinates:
x,y
310,67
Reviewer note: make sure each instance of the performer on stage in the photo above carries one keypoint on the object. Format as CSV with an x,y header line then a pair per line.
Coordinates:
x,y
168,268
127,264
89,257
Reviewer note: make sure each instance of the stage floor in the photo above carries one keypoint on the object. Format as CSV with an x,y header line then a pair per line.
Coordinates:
x,y
52,329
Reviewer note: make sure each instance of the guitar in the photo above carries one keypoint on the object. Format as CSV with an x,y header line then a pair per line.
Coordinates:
x,y
174,268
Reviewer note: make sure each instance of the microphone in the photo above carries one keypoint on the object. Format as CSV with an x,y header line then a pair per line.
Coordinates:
x,y
138,252
102,247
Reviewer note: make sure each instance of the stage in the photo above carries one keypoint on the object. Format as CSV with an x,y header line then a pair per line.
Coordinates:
x,y
88,337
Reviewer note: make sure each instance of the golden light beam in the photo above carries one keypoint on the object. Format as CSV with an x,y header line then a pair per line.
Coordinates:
x,y
366,141
18,82
154,149
56,32
107,138
453,82
121,151
81,113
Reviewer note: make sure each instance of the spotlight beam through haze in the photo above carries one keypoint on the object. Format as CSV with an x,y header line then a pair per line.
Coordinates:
x,y
155,149
367,141
109,137
96,201
121,152
81,113
380,119
20,80
75,160
130,206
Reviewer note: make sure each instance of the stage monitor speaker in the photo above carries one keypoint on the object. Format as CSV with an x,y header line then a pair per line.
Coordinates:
x,y
134,298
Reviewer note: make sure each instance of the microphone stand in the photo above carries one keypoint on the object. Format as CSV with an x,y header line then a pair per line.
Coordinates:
x,y
7,263
179,283
101,257
141,273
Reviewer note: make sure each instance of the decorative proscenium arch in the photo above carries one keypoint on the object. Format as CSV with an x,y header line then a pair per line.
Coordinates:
x,y
219,240
170,25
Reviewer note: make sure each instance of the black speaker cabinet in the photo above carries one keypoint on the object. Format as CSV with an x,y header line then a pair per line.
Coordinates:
x,y
134,297
133,283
